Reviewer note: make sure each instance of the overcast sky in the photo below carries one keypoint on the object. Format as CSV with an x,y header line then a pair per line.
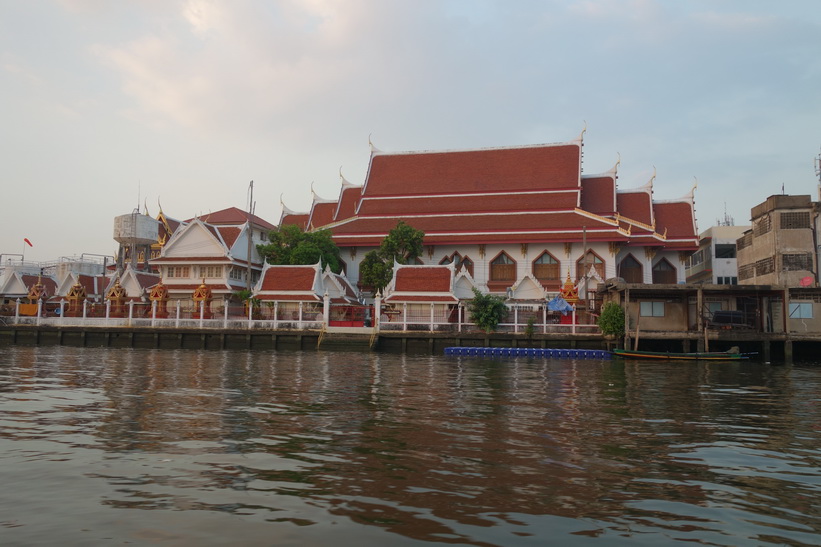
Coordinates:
x,y
108,105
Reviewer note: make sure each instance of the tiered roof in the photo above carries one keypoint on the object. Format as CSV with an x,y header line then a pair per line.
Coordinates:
x,y
520,194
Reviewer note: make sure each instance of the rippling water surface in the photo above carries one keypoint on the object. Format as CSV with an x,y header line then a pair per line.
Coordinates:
x,y
161,447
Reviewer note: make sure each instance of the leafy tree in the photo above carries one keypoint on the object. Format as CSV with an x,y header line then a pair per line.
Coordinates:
x,y
487,310
402,244
611,320
290,245
375,271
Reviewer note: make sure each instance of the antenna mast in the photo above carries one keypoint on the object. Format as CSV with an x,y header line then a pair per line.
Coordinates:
x,y
251,206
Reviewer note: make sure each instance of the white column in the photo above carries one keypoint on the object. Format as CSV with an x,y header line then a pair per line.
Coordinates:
x,y
85,308
431,316
17,311
515,318
377,311
404,316
130,311
225,313
299,321
202,311
62,310
459,317
276,313
177,322
107,309
573,326
326,310
39,310
544,318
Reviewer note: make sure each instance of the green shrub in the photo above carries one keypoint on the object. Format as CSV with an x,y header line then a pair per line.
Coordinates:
x,y
611,320
487,310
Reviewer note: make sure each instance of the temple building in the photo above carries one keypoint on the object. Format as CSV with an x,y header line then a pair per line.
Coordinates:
x,y
503,214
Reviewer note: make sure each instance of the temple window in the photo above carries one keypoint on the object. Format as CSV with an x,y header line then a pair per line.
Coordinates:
x,y
210,271
503,268
460,263
178,271
546,268
593,260
631,270
664,272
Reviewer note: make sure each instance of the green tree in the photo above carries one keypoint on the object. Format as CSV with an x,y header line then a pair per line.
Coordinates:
x,y
487,310
290,245
611,320
403,244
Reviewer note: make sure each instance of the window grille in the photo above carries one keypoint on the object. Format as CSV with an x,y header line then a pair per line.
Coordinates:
x,y
795,220
747,271
796,262
765,266
762,226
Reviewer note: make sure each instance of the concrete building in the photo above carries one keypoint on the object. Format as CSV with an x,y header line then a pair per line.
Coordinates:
x,y
780,248
716,259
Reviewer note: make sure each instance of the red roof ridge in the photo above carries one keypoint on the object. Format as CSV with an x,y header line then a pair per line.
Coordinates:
x,y
377,152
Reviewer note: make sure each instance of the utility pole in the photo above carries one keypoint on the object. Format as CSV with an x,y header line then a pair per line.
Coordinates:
x,y
251,206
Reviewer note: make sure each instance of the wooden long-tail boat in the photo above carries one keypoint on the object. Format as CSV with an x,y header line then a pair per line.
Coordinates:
x,y
732,355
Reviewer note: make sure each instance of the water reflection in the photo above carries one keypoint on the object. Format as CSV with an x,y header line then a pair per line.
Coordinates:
x,y
371,448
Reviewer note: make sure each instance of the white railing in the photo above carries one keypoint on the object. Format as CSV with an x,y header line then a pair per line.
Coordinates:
x,y
402,318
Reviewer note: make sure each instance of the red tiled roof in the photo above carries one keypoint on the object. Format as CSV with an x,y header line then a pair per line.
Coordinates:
x,y
453,203
288,296
423,279
296,219
348,200
229,234
599,195
635,205
234,216
677,219
446,229
512,169
30,280
289,278
420,298
88,284
322,213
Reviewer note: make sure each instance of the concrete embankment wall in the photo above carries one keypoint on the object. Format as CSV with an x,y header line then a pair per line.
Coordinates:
x,y
187,338
773,347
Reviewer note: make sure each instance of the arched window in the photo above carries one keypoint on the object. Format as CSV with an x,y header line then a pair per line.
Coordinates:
x,y
546,268
503,268
664,272
460,262
594,261
630,270
467,265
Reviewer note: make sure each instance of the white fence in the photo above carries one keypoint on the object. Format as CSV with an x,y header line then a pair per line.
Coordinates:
x,y
430,317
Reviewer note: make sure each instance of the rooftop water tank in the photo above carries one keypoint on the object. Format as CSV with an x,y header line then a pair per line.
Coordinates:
x,y
136,229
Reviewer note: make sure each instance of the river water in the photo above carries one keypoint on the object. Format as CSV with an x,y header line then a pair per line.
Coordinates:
x,y
165,447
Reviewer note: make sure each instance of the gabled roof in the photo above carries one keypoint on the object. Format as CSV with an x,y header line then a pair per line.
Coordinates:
x,y
348,201
416,283
286,282
513,169
93,285
233,216
527,194
19,284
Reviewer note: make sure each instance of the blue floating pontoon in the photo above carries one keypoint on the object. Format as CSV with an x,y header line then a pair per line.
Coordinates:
x,y
549,353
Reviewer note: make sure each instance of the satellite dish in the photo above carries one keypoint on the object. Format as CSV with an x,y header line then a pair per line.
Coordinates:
x,y
807,281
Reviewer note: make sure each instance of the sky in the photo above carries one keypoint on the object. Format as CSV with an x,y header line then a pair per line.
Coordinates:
x,y
110,106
